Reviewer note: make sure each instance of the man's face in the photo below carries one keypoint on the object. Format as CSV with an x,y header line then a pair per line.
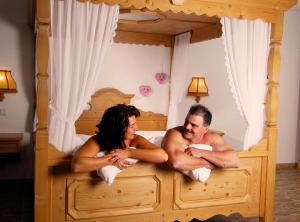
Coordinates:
x,y
193,127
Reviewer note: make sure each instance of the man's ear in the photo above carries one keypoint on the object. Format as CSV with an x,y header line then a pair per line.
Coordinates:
x,y
206,129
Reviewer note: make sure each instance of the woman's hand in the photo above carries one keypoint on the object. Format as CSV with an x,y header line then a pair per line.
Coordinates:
x,y
121,153
111,158
123,164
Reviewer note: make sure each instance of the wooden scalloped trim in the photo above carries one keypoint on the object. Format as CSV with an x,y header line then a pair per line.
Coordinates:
x,y
254,9
260,149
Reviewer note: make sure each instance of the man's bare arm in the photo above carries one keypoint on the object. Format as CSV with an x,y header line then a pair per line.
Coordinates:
x,y
178,159
223,155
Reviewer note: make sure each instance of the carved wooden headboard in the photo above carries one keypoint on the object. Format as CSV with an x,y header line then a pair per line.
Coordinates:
x,y
107,97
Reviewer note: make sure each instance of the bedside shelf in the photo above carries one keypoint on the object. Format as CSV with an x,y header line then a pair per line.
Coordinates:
x,y
10,143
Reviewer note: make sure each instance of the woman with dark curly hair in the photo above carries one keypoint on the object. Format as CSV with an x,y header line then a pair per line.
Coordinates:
x,y
116,134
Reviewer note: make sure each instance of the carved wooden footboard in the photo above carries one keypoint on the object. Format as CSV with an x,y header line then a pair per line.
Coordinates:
x,y
148,192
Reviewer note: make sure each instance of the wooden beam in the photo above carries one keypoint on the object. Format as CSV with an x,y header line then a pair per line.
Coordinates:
x,y
206,33
142,38
274,61
41,196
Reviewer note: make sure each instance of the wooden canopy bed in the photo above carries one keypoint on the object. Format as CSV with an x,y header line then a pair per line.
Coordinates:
x,y
147,192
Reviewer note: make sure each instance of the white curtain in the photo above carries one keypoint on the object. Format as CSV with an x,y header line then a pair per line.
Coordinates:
x,y
179,78
81,35
246,52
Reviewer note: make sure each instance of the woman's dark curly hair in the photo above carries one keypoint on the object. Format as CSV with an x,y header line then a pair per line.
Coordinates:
x,y
112,127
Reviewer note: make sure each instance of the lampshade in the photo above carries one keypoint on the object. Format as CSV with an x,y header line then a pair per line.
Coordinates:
x,y
198,88
7,83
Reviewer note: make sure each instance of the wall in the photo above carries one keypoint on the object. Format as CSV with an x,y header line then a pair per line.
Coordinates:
x,y
17,54
126,67
207,59
288,149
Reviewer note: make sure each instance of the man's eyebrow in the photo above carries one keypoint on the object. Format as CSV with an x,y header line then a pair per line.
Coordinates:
x,y
193,124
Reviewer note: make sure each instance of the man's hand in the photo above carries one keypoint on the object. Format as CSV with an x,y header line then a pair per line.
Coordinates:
x,y
194,152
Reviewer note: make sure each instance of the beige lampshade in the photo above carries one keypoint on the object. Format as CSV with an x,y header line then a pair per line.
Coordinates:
x,y
7,83
198,88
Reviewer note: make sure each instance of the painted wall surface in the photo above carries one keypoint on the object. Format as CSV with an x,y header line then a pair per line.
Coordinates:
x,y
127,67
288,124
17,54
207,59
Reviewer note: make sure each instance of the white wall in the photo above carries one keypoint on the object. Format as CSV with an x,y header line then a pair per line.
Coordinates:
x,y
207,59
126,67
17,54
288,124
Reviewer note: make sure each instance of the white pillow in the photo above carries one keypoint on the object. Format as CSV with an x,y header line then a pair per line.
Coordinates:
x,y
200,174
154,137
108,173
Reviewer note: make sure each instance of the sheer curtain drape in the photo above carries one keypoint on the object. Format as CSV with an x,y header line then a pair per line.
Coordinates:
x,y
81,35
246,52
179,77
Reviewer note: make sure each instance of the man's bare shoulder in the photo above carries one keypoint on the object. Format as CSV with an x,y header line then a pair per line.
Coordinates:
x,y
217,141
212,134
173,136
174,132
211,137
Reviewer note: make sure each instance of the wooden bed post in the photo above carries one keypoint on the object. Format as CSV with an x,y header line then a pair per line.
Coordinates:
x,y
41,198
271,112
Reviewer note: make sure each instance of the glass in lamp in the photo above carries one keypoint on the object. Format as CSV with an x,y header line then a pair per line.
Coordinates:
x,y
7,83
197,88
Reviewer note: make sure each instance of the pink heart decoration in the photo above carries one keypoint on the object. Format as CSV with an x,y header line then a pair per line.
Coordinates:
x,y
145,90
161,77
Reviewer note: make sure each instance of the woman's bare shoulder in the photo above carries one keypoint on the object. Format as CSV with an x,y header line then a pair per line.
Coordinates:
x,y
89,148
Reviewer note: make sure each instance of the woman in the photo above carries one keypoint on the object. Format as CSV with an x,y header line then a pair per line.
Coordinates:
x,y
115,136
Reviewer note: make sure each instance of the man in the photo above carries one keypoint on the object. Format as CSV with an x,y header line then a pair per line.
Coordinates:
x,y
196,131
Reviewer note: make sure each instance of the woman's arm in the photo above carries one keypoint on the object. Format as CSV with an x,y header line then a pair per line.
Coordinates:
x,y
85,159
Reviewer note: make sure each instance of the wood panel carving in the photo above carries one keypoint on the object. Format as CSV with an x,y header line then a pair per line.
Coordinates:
x,y
100,101
127,195
107,97
224,187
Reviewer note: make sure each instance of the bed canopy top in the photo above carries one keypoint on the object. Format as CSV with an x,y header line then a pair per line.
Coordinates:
x,y
156,22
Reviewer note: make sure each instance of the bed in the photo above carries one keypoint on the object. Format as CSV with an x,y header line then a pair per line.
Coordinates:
x,y
148,192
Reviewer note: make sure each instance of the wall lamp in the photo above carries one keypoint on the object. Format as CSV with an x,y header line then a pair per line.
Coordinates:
x,y
197,88
7,83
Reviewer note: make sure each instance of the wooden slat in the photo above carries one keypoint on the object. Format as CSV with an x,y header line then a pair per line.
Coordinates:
x,y
142,38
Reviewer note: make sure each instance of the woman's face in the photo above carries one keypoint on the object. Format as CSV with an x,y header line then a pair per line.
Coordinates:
x,y
130,131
